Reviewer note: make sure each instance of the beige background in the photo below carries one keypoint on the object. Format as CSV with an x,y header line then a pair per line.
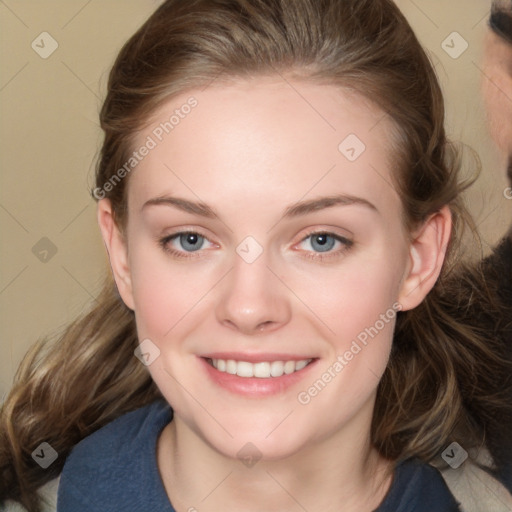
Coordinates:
x,y
50,136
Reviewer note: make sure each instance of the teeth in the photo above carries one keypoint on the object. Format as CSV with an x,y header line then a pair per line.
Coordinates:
x,y
263,370
289,367
244,369
300,365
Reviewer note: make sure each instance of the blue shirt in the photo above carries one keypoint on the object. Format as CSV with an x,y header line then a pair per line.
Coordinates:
x,y
115,469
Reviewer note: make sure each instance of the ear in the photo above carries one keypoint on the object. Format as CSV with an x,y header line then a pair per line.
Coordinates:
x,y
117,250
426,256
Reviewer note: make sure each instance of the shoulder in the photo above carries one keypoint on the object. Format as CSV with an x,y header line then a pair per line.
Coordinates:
x,y
110,466
477,489
420,487
121,435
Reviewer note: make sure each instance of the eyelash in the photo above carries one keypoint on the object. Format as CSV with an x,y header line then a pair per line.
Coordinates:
x,y
164,242
318,256
322,257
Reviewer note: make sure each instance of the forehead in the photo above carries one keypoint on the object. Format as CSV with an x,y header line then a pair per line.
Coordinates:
x,y
266,135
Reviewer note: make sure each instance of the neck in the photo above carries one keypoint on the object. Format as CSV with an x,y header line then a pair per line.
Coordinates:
x,y
331,475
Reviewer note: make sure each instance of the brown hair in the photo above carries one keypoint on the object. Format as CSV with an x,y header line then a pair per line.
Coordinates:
x,y
66,389
500,20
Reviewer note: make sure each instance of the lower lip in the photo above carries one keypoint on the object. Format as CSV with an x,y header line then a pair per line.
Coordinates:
x,y
254,386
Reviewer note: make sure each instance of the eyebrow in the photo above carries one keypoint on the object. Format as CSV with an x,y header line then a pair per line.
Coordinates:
x,y
295,210
313,205
196,208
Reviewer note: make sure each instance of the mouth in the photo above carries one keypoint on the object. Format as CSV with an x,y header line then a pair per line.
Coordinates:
x,y
260,370
263,375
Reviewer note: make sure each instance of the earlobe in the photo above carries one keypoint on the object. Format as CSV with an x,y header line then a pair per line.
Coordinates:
x,y
426,257
117,251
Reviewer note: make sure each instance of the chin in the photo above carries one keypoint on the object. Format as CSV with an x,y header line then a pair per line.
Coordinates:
x,y
255,442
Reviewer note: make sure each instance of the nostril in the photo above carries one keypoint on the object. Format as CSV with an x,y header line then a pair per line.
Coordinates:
x,y
264,325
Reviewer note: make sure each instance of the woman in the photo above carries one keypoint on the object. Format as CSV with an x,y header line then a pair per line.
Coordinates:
x,y
281,210
490,307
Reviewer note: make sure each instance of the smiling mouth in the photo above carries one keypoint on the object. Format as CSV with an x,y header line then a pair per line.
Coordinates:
x,y
262,370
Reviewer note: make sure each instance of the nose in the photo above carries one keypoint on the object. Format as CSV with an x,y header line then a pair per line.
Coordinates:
x,y
252,299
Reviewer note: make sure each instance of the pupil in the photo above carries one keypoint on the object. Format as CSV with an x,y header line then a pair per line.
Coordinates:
x,y
323,242
190,241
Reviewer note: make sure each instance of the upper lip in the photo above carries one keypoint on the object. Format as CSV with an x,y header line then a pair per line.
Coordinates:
x,y
255,357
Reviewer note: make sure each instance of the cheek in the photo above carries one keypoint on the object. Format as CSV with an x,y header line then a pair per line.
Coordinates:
x,y
164,292
355,298
364,321
361,312
360,308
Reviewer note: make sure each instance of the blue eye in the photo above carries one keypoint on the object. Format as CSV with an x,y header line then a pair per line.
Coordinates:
x,y
191,241
322,242
320,245
184,242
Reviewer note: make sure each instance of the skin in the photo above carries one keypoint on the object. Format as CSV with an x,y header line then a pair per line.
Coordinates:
x,y
249,150
497,91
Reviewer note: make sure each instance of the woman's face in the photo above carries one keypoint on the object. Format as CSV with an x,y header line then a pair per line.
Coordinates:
x,y
296,254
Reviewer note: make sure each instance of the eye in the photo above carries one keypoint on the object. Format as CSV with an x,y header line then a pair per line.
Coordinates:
x,y
190,241
179,244
320,245
321,242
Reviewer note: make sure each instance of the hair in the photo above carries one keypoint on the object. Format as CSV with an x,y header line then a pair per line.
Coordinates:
x,y
500,20
435,384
